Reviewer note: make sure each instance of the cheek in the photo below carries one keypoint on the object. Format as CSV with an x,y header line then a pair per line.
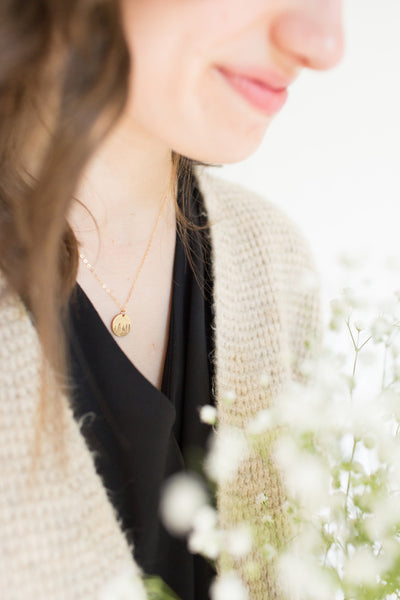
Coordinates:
x,y
224,128
175,96
194,117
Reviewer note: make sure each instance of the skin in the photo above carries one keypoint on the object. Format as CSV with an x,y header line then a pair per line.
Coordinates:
x,y
179,102
200,117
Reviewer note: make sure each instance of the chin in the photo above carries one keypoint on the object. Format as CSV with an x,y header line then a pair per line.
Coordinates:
x,y
233,150
231,156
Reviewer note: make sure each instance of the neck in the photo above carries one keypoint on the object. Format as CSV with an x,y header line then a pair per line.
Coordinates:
x,y
122,187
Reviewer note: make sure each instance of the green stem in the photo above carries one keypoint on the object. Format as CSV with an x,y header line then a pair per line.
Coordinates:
x,y
366,342
351,334
349,479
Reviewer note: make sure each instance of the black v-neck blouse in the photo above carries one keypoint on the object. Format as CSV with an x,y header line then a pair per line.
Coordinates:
x,y
141,435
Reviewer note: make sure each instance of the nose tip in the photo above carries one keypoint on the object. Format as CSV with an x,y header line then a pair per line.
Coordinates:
x,y
310,42
324,49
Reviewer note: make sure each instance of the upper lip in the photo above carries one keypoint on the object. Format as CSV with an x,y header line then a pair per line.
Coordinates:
x,y
266,77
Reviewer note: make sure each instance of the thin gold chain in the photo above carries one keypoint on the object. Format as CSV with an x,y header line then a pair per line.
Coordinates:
x,y
104,286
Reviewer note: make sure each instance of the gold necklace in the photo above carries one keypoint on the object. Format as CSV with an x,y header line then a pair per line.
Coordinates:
x,y
121,324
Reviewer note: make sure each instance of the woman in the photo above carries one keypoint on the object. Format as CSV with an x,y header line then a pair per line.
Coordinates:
x,y
113,328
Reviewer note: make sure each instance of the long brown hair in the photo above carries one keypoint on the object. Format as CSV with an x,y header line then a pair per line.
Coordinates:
x,y
70,55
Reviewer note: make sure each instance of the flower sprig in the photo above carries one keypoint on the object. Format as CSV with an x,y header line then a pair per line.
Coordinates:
x,y
338,452
341,464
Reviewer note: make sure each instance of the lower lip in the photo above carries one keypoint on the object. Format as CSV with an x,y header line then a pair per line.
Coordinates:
x,y
262,97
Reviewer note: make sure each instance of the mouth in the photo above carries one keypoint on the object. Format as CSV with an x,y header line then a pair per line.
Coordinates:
x,y
267,92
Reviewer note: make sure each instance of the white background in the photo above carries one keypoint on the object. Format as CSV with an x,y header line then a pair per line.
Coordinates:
x,y
331,158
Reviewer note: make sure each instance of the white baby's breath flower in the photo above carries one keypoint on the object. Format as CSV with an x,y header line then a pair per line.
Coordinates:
x,y
360,325
384,518
267,518
229,397
370,440
307,368
381,329
302,408
306,476
208,545
388,451
205,538
181,498
239,541
390,400
228,587
396,370
206,518
127,585
390,307
306,579
339,457
340,312
395,346
353,298
362,567
260,423
228,449
261,498
269,551
208,414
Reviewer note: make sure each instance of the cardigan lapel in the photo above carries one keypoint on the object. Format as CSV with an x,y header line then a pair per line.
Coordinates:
x,y
250,341
60,538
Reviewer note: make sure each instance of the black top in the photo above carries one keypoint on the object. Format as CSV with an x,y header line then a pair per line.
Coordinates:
x,y
142,435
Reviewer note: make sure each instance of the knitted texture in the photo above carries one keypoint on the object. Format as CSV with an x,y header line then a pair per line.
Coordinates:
x,y
60,537
266,323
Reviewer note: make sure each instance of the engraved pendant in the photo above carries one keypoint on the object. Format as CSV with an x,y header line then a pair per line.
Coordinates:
x,y
121,324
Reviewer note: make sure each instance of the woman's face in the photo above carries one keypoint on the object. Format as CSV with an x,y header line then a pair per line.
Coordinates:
x,y
209,75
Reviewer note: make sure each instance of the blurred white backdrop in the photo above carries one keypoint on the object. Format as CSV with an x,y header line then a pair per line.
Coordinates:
x,y
331,159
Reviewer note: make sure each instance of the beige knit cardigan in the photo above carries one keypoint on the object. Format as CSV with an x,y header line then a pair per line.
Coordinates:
x,y
60,538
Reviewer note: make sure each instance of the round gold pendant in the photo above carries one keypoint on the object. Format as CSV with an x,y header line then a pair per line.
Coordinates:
x,y
121,325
